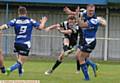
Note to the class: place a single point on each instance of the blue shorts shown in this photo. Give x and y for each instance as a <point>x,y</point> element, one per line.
<point>85,47</point>
<point>21,49</point>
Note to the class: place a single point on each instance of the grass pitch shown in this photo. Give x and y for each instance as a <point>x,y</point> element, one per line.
<point>65,73</point>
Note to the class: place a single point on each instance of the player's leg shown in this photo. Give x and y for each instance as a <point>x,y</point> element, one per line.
<point>56,64</point>
<point>91,46</point>
<point>82,55</point>
<point>23,51</point>
<point>2,67</point>
<point>69,46</point>
<point>93,65</point>
<point>77,64</point>
<point>60,58</point>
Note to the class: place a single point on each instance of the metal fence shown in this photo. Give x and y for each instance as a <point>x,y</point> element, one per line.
<point>50,43</point>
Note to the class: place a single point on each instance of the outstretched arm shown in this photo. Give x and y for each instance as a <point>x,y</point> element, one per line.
<point>54,26</point>
<point>4,26</point>
<point>68,11</point>
<point>42,23</point>
<point>69,31</point>
<point>102,21</point>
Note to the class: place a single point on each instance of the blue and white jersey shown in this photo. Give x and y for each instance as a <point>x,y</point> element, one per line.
<point>93,23</point>
<point>23,27</point>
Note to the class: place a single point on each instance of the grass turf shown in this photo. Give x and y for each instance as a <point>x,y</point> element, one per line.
<point>34,70</point>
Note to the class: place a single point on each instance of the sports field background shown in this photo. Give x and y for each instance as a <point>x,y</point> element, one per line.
<point>50,43</point>
<point>109,72</point>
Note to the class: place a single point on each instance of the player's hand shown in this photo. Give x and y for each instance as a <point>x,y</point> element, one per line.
<point>44,19</point>
<point>67,10</point>
<point>58,28</point>
<point>77,9</point>
<point>102,21</point>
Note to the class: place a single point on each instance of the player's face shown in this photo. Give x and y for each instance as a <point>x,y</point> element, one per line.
<point>71,22</point>
<point>90,10</point>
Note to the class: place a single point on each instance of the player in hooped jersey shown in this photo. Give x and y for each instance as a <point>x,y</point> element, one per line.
<point>89,23</point>
<point>71,31</point>
<point>23,27</point>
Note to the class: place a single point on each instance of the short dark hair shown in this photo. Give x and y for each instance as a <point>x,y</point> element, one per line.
<point>71,17</point>
<point>22,10</point>
<point>90,5</point>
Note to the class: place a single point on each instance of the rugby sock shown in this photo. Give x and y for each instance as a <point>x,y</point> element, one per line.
<point>78,65</point>
<point>57,63</point>
<point>85,71</point>
<point>91,63</point>
<point>20,68</point>
<point>15,66</point>
<point>2,69</point>
<point>65,47</point>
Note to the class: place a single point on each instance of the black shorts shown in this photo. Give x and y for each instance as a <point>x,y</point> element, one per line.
<point>21,49</point>
<point>72,42</point>
<point>85,47</point>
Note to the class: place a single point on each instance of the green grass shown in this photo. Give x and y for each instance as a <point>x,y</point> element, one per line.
<point>34,70</point>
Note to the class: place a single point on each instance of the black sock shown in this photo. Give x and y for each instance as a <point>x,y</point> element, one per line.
<point>78,65</point>
<point>65,48</point>
<point>57,63</point>
<point>2,69</point>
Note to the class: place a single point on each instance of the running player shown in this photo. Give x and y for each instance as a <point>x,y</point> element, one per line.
<point>71,31</point>
<point>89,23</point>
<point>102,22</point>
<point>23,27</point>
<point>2,67</point>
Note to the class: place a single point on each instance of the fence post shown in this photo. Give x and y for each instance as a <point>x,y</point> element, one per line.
<point>106,36</point>
<point>6,38</point>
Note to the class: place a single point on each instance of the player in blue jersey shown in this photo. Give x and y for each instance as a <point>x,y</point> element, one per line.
<point>2,67</point>
<point>91,63</point>
<point>89,23</point>
<point>23,27</point>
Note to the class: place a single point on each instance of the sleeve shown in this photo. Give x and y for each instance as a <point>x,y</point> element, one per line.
<point>62,24</point>
<point>11,23</point>
<point>93,22</point>
<point>74,30</point>
<point>35,23</point>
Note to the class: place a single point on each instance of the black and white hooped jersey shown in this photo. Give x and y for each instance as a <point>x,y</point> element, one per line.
<point>76,30</point>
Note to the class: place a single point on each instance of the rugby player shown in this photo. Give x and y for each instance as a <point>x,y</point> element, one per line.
<point>23,27</point>
<point>2,67</point>
<point>71,31</point>
<point>89,23</point>
<point>102,22</point>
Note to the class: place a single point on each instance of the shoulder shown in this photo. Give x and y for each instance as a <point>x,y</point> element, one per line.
<point>63,23</point>
<point>13,20</point>
<point>32,20</point>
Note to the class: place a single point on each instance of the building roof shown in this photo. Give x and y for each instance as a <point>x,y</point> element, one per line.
<point>98,2</point>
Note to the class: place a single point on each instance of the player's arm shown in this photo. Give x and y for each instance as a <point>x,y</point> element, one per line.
<point>4,26</point>
<point>54,26</point>
<point>42,23</point>
<point>89,23</point>
<point>68,11</point>
<point>102,21</point>
<point>81,23</point>
<point>69,31</point>
<point>11,23</point>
